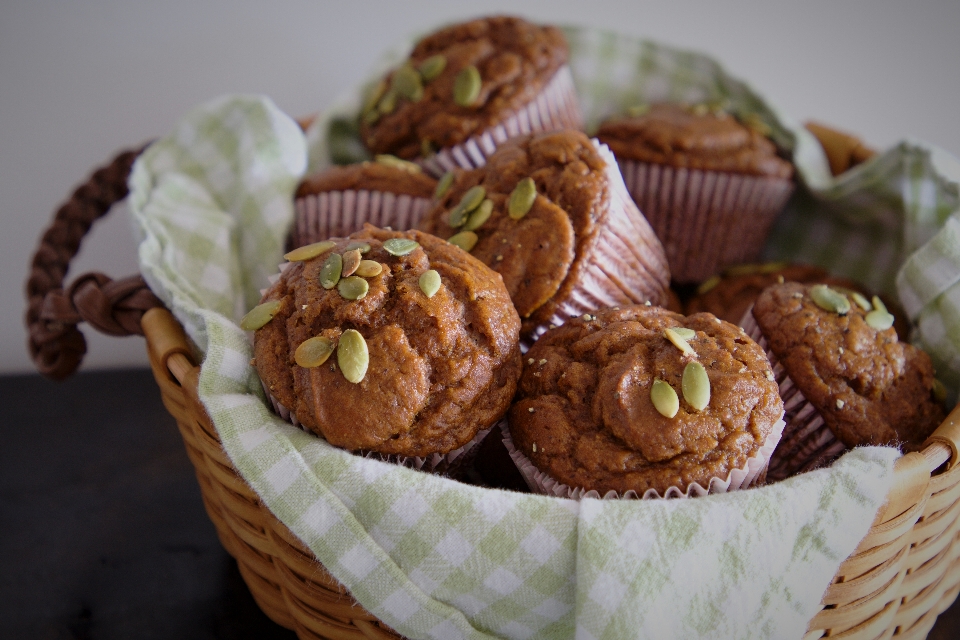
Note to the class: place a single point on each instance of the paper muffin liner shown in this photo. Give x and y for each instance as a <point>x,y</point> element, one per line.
<point>807,442</point>
<point>742,478</point>
<point>627,264</point>
<point>336,214</point>
<point>452,463</point>
<point>706,220</point>
<point>556,107</point>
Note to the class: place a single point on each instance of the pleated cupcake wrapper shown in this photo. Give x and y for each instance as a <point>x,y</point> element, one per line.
<point>450,463</point>
<point>751,473</point>
<point>706,220</point>
<point>807,442</point>
<point>335,214</point>
<point>556,107</point>
<point>624,264</point>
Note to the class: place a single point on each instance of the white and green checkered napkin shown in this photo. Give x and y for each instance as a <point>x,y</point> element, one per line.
<point>434,558</point>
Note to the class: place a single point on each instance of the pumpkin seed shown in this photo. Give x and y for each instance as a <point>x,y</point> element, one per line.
<point>470,201</point>
<point>684,333</point>
<point>363,247</point>
<point>939,391</point>
<point>700,109</point>
<point>638,110</point>
<point>465,240</point>
<point>443,185</point>
<point>522,198</point>
<point>313,352</point>
<point>466,86</point>
<point>371,117</point>
<point>480,215</point>
<point>330,271</point>
<point>400,246</point>
<point>695,385</point>
<point>430,283</point>
<point>664,398</point>
<point>755,123</point>
<point>878,303</point>
<point>351,260</point>
<point>426,148</point>
<point>352,355</point>
<point>677,340</point>
<point>406,82</point>
<point>368,268</point>
<point>373,96</point>
<point>861,301</point>
<point>432,67</point>
<point>260,315</point>
<point>387,103</point>
<point>397,163</point>
<point>309,251</point>
<point>353,288</point>
<point>879,319</point>
<point>829,300</point>
<point>708,284</point>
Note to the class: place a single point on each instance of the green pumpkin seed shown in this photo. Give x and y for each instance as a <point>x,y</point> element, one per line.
<point>313,352</point>
<point>695,385</point>
<point>368,268</point>
<point>879,319</point>
<point>371,117</point>
<point>939,391</point>
<point>395,162</point>
<point>400,246</point>
<point>430,283</point>
<point>829,300</point>
<point>353,288</point>
<point>260,315</point>
<point>878,303</point>
<point>373,96</point>
<point>362,247</point>
<point>861,301</point>
<point>426,148</point>
<point>387,103</point>
<point>522,198</point>
<point>309,251</point>
<point>700,109</point>
<point>671,334</point>
<point>443,185</point>
<point>683,332</point>
<point>406,82</point>
<point>480,215</point>
<point>636,111</point>
<point>470,201</point>
<point>351,260</point>
<point>664,398</point>
<point>708,284</point>
<point>755,123</point>
<point>465,240</point>
<point>466,86</point>
<point>330,271</point>
<point>432,67</point>
<point>352,355</point>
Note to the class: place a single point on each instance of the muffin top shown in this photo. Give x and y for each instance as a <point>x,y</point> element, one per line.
<point>847,361</point>
<point>410,351</point>
<point>585,411</point>
<point>458,82</point>
<point>538,249</point>
<point>387,174</point>
<point>680,136</point>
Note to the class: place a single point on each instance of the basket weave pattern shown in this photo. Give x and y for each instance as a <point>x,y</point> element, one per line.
<point>904,573</point>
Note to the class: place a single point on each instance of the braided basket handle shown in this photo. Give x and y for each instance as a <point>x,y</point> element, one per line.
<point>114,307</point>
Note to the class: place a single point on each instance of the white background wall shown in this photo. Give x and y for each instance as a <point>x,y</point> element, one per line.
<point>79,81</point>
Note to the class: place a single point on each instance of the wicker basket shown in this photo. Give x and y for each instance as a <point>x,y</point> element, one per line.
<point>904,573</point>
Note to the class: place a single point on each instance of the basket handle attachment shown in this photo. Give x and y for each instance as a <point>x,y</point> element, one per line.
<point>114,307</point>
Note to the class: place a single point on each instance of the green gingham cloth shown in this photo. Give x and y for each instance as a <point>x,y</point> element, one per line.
<point>434,558</point>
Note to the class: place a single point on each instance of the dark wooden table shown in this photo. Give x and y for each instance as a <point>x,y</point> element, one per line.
<point>102,531</point>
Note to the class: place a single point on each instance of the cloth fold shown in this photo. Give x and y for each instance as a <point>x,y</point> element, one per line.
<point>434,558</point>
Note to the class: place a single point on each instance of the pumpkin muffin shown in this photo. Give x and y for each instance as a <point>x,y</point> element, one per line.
<point>846,378</point>
<point>335,202</point>
<point>709,184</point>
<point>390,342</point>
<point>550,214</point>
<point>642,401</point>
<point>468,87</point>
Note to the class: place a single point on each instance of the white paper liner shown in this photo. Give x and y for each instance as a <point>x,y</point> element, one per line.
<point>336,214</point>
<point>807,443</point>
<point>448,463</point>
<point>706,220</point>
<point>626,265</point>
<point>742,478</point>
<point>556,107</point>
